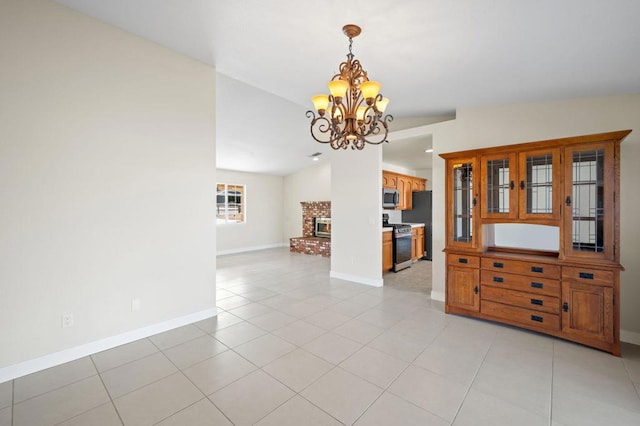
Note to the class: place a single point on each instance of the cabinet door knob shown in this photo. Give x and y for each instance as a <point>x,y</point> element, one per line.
<point>512,185</point>
<point>567,201</point>
<point>521,184</point>
<point>565,307</point>
<point>475,201</point>
<point>475,289</point>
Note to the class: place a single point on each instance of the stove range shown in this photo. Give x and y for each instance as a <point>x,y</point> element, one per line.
<point>402,244</point>
<point>400,229</point>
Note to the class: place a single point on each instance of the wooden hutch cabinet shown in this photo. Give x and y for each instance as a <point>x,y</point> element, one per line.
<point>569,184</point>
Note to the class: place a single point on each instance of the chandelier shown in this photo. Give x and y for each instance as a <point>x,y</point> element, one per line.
<point>351,115</point>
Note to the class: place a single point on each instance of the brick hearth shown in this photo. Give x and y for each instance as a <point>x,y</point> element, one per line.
<point>308,244</point>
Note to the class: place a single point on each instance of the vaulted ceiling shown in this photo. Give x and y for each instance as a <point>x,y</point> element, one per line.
<point>432,57</point>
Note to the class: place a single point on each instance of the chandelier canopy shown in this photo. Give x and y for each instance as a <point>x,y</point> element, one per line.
<point>351,115</point>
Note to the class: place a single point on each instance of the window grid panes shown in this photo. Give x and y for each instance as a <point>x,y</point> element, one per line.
<point>498,186</point>
<point>539,184</point>
<point>230,203</point>
<point>588,201</point>
<point>462,202</point>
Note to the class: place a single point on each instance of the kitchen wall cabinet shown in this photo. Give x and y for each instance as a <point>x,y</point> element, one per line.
<point>389,180</point>
<point>404,187</point>
<point>570,183</point>
<point>387,251</point>
<point>405,184</point>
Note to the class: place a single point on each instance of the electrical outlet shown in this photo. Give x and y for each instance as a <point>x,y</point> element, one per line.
<point>136,304</point>
<point>67,320</point>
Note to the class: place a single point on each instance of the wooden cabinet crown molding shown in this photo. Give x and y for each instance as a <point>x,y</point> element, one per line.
<point>527,146</point>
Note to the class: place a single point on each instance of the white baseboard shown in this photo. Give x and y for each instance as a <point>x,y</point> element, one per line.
<point>254,248</point>
<point>356,279</point>
<point>437,295</point>
<point>51,360</point>
<point>630,337</point>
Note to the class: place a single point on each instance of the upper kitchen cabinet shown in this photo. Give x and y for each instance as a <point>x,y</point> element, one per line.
<point>406,185</point>
<point>389,180</point>
<point>462,197</point>
<point>521,186</point>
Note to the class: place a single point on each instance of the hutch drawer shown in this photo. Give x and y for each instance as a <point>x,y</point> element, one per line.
<point>534,285</point>
<point>522,267</point>
<point>522,316</point>
<point>588,276</point>
<point>463,260</point>
<point>532,301</point>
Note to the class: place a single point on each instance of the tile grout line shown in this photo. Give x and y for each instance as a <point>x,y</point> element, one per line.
<point>52,390</point>
<point>475,376</point>
<point>204,396</point>
<point>13,400</point>
<point>409,364</point>
<point>553,358</point>
<point>125,363</point>
<point>107,391</point>
<point>626,367</point>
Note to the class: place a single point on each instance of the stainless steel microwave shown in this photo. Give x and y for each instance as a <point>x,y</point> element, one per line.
<point>390,198</point>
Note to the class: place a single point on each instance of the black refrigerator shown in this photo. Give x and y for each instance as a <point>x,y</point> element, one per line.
<point>421,213</point>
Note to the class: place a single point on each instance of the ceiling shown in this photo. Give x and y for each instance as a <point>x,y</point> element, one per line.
<point>432,57</point>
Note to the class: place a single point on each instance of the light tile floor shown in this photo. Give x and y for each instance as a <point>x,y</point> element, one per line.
<point>291,346</point>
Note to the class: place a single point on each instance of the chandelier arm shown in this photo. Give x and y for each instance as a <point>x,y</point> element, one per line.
<point>320,126</point>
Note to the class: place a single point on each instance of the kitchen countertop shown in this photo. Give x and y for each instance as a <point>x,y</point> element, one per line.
<point>413,225</point>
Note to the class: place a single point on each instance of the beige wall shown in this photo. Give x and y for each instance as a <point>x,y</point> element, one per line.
<point>508,124</point>
<point>356,223</point>
<point>310,184</point>
<point>107,170</point>
<point>264,211</point>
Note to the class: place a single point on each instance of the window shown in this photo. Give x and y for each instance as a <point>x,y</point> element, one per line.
<point>230,203</point>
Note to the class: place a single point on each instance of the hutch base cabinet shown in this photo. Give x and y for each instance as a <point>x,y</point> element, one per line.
<point>569,288</point>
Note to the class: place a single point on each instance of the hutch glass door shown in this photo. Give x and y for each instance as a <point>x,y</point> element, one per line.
<point>587,194</point>
<point>464,203</point>
<point>538,176</point>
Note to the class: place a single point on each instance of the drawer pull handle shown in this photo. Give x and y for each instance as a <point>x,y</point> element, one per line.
<point>537,302</point>
<point>498,265</point>
<point>498,279</point>
<point>586,275</point>
<point>463,260</point>
<point>536,285</point>
<point>537,269</point>
<point>536,318</point>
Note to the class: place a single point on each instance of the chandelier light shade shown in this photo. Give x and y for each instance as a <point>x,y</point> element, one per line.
<point>351,114</point>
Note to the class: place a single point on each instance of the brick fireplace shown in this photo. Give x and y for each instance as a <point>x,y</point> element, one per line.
<point>308,244</point>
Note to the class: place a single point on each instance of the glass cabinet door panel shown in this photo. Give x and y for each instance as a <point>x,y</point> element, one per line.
<point>588,192</point>
<point>463,202</point>
<point>538,174</point>
<point>539,183</point>
<point>588,209</point>
<point>499,200</point>
<point>498,186</point>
